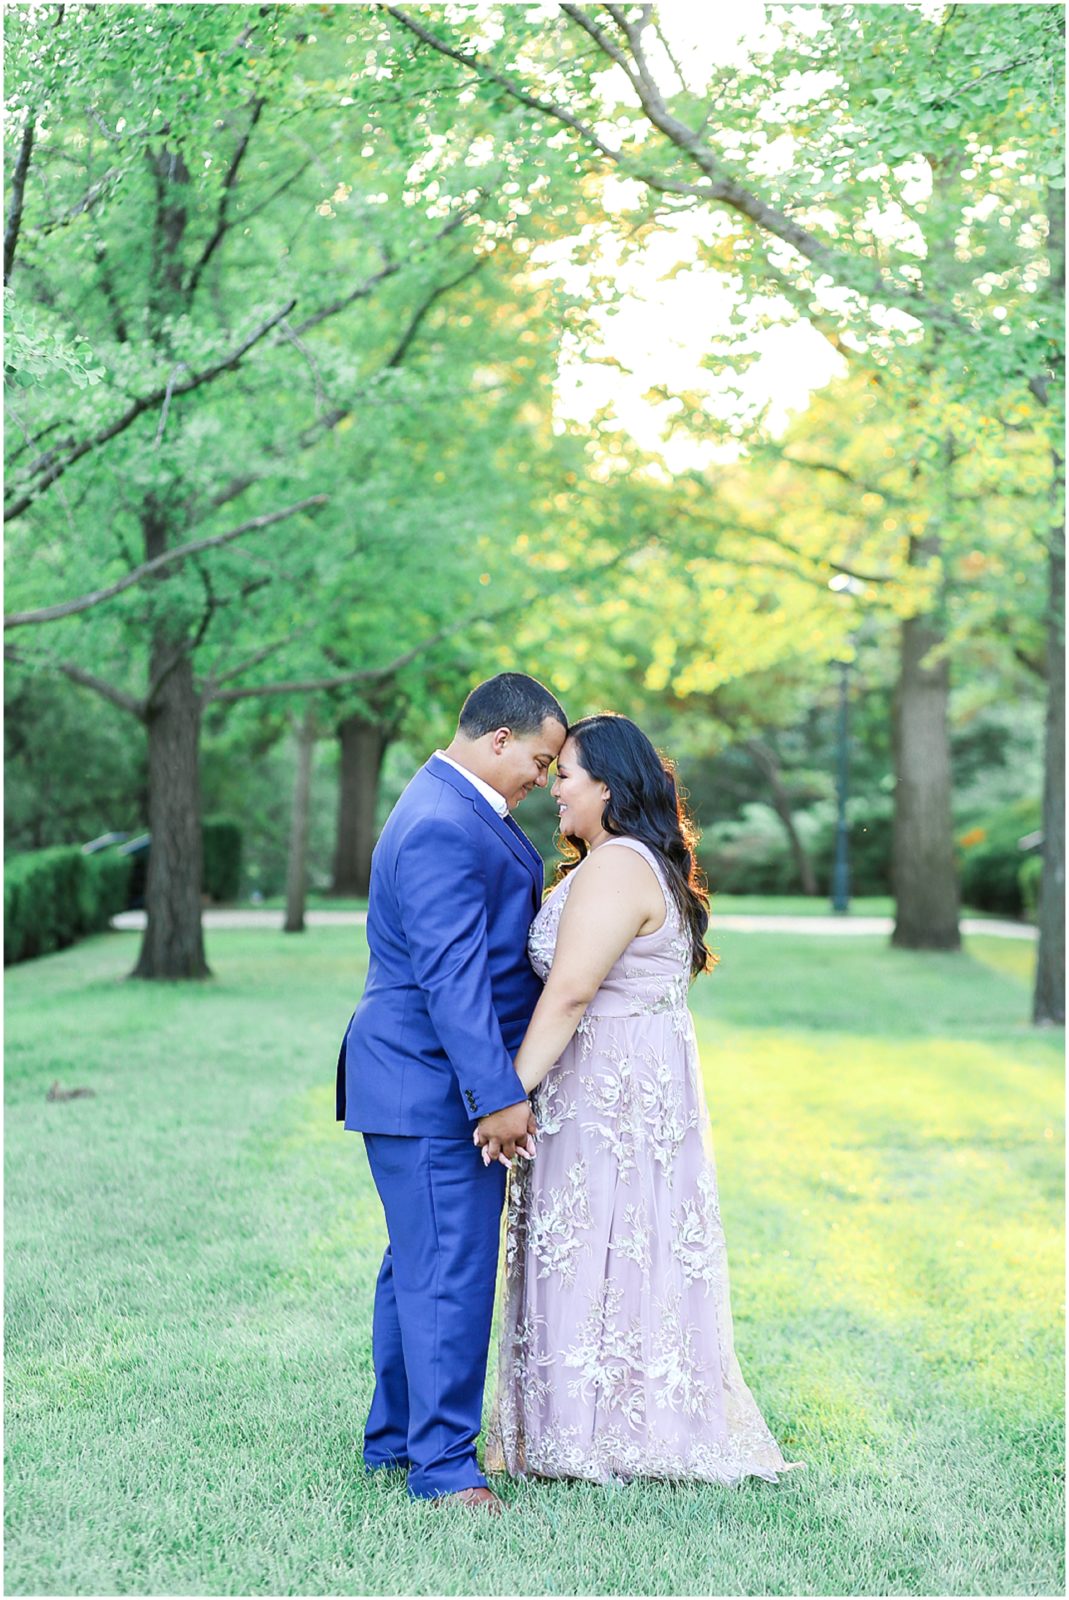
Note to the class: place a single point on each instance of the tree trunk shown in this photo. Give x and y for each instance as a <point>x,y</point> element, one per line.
<point>297,869</point>
<point>766,761</point>
<point>363,745</point>
<point>173,943</point>
<point>923,869</point>
<point>1048,1002</point>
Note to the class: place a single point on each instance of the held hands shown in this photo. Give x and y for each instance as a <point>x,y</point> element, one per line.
<point>507,1133</point>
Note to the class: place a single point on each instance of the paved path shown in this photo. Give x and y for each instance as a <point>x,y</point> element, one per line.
<point>728,923</point>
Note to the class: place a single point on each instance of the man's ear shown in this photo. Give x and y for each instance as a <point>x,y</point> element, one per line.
<point>501,739</point>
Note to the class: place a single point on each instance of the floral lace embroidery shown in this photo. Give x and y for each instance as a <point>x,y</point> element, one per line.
<point>698,1236</point>
<point>552,1224</point>
<point>677,1364</point>
<point>635,1245</point>
<point>552,1105</point>
<point>609,1358</point>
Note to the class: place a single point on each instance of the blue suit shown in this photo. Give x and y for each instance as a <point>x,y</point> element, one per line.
<point>428,1051</point>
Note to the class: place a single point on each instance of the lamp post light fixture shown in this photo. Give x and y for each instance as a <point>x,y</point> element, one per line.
<point>840,876</point>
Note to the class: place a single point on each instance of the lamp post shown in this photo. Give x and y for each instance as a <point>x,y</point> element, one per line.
<point>840,876</point>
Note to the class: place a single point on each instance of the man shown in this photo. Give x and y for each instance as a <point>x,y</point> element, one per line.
<point>428,1055</point>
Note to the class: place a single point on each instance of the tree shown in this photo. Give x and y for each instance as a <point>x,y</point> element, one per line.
<point>831,170</point>
<point>195,319</point>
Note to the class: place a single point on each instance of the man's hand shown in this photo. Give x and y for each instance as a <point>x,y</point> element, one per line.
<point>506,1133</point>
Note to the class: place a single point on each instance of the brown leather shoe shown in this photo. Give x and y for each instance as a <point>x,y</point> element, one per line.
<point>479,1499</point>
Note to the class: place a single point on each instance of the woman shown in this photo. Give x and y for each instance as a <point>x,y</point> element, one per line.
<point>616,1358</point>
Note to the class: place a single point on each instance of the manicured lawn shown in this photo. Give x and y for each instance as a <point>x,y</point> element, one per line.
<point>798,905</point>
<point>191,1251</point>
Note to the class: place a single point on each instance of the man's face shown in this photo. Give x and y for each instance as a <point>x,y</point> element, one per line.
<point>522,761</point>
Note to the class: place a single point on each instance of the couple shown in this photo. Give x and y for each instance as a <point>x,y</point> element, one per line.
<point>616,1357</point>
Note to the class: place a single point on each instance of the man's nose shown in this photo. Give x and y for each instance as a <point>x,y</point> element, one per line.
<point>542,779</point>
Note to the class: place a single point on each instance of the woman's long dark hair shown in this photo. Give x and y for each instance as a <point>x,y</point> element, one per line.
<point>645,804</point>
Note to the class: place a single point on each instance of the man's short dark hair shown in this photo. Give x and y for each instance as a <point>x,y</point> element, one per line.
<point>511,700</point>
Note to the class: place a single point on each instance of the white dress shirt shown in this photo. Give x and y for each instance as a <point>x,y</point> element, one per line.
<point>490,795</point>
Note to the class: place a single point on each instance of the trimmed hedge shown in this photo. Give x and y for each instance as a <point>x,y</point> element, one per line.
<point>221,874</point>
<point>53,897</point>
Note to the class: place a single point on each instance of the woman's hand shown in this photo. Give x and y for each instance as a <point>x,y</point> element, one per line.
<point>494,1149</point>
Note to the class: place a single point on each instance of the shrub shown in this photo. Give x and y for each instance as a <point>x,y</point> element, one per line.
<point>749,854</point>
<point>52,897</point>
<point>869,825</point>
<point>991,857</point>
<point>1029,877</point>
<point>221,878</point>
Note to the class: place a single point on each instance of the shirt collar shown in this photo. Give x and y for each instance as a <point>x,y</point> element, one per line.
<point>490,795</point>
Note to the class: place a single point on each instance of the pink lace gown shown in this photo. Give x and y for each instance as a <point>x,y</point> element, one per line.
<point>616,1357</point>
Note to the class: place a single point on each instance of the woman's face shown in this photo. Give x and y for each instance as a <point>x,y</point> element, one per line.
<point>580,798</point>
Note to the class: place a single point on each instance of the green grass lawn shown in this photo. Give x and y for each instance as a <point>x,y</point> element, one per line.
<point>191,1252</point>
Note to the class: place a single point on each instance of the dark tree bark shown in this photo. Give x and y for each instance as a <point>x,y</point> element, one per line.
<point>18,191</point>
<point>173,943</point>
<point>171,177</point>
<point>1048,1002</point>
<point>923,869</point>
<point>362,747</point>
<point>766,762</point>
<point>297,867</point>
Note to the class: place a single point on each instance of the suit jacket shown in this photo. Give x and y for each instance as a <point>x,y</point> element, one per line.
<point>449,990</point>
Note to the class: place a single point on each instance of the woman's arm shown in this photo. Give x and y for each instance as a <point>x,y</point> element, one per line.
<point>614,896</point>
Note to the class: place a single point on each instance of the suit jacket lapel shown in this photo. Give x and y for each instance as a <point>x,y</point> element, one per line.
<point>514,837</point>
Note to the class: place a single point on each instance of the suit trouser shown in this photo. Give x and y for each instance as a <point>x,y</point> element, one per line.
<point>434,1302</point>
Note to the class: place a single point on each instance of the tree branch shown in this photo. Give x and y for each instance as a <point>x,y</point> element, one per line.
<point>605,44</point>
<point>18,193</point>
<point>484,70</point>
<point>261,205</point>
<point>847,477</point>
<point>227,364</point>
<point>95,192</point>
<point>361,292</point>
<point>379,674</point>
<point>214,679</point>
<point>329,421</point>
<point>973,83</point>
<point>716,187</point>
<point>416,320</point>
<point>78,675</point>
<point>96,597</point>
<point>389,269</point>
<point>738,530</point>
<point>364,674</point>
<point>221,222</point>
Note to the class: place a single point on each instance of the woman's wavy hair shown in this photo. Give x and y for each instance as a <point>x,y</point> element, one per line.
<point>644,803</point>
